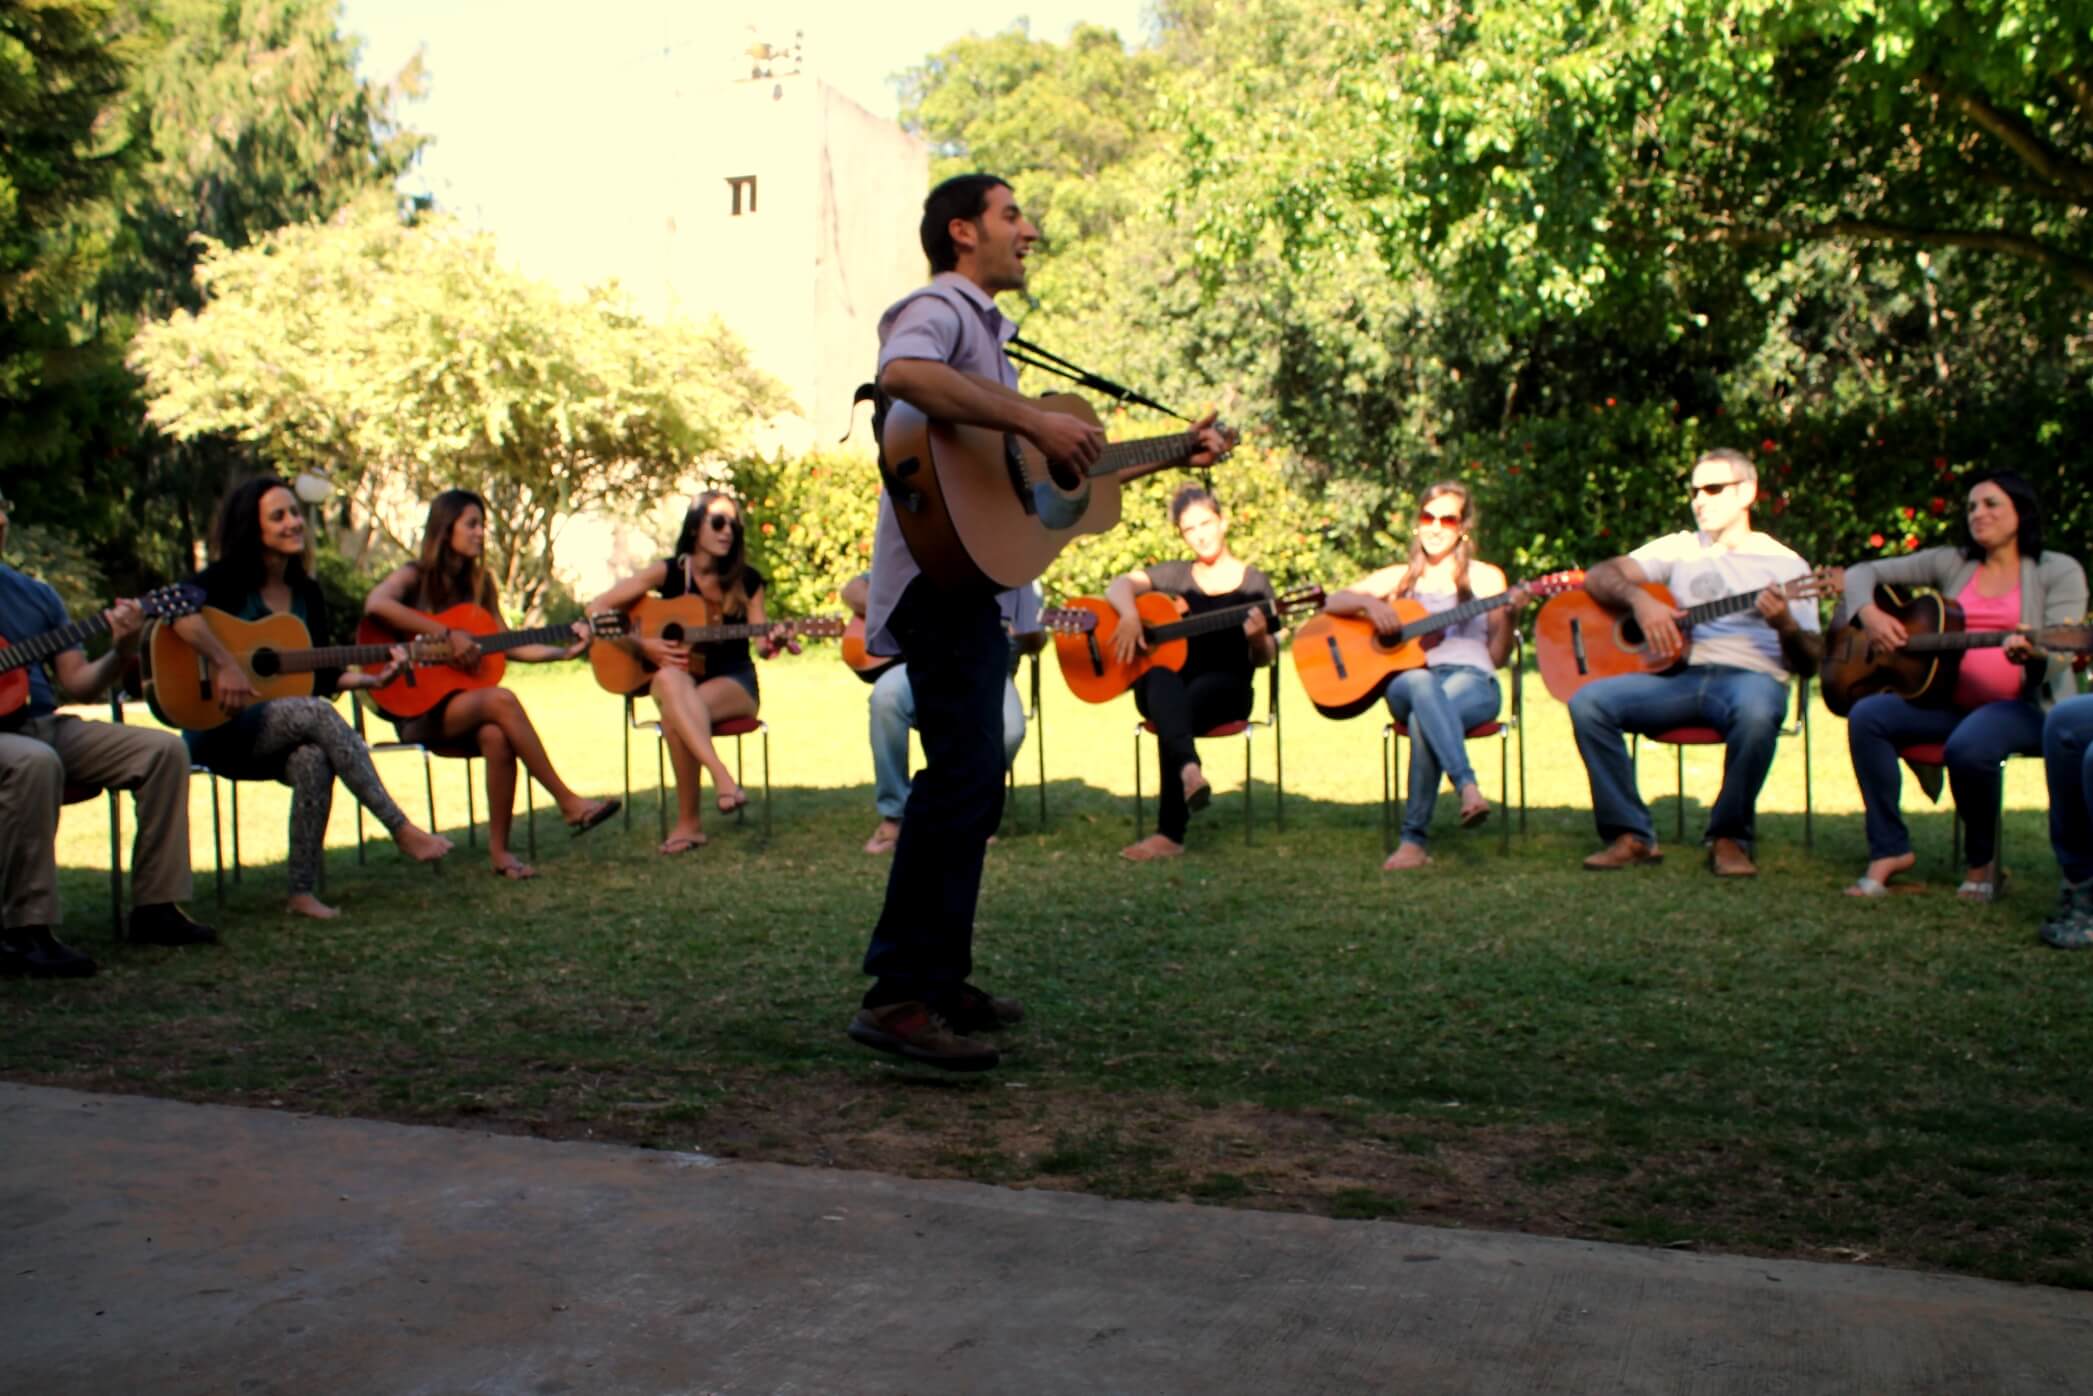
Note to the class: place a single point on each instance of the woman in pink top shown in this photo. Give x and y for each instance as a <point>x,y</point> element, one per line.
<point>2002,578</point>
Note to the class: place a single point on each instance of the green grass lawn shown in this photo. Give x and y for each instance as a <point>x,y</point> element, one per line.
<point>1504,1041</point>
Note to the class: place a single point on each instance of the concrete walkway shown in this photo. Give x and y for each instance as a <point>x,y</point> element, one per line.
<point>147,1246</point>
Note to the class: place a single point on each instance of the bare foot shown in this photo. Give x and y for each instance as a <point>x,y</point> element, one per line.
<point>508,865</point>
<point>682,840</point>
<point>306,904</point>
<point>1881,870</point>
<point>1405,857</point>
<point>1151,848</point>
<point>1199,793</point>
<point>1474,808</point>
<point>884,837</point>
<point>421,845</point>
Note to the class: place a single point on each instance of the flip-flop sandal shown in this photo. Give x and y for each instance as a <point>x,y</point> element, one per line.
<point>729,803</point>
<point>1867,887</point>
<point>516,872</point>
<point>681,843</point>
<point>1471,818</point>
<point>1981,891</point>
<point>578,827</point>
<point>1199,797</point>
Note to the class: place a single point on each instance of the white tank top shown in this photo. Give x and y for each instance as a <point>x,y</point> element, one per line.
<point>1467,643</point>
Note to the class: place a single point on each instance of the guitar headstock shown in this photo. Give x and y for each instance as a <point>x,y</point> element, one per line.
<point>1824,581</point>
<point>1301,598</point>
<point>165,603</point>
<point>1554,583</point>
<point>820,627</point>
<point>610,625</point>
<point>1067,620</point>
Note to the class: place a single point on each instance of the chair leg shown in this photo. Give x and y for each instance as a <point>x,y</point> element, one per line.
<point>1039,747</point>
<point>740,810</point>
<point>661,785</point>
<point>472,814</point>
<point>429,789</point>
<point>1504,791</point>
<point>217,841</point>
<point>1679,770</point>
<point>1387,792</point>
<point>1249,790</point>
<point>1522,776</point>
<point>530,817</point>
<point>766,786</point>
<point>359,831</point>
<point>235,792</point>
<point>116,865</point>
<point>628,764</point>
<point>1278,782</point>
<point>1809,796</point>
<point>1137,785</point>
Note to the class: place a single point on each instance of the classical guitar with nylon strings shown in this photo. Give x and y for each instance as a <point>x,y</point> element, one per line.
<point>18,656</point>
<point>869,666</point>
<point>276,653</point>
<point>1345,663</point>
<point>621,667</point>
<point>981,507</point>
<point>1925,667</point>
<point>421,688</point>
<point>1095,676</point>
<point>1578,639</point>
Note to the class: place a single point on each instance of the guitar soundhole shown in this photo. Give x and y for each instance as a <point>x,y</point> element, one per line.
<point>265,664</point>
<point>672,633</point>
<point>1065,477</point>
<point>1631,633</point>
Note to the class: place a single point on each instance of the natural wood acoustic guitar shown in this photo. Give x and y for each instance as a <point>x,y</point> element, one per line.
<point>869,666</point>
<point>276,653</point>
<point>1095,676</point>
<point>621,667</point>
<point>982,507</point>
<point>420,688</point>
<point>1924,668</point>
<point>1578,640</point>
<point>1345,664</point>
<point>17,656</point>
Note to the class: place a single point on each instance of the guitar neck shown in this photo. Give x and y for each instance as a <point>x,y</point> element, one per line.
<point>1455,615</point>
<point>1959,640</point>
<point>506,640</point>
<point>1717,609</point>
<point>1201,624</point>
<point>38,648</point>
<point>1146,454</point>
<point>340,657</point>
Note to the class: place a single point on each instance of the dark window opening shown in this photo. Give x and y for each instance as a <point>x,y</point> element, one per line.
<point>744,190</point>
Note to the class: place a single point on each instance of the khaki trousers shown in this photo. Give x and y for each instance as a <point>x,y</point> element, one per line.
<point>38,757</point>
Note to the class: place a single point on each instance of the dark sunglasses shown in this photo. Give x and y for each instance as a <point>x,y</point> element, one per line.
<point>1709,490</point>
<point>722,520</point>
<point>1426,518</point>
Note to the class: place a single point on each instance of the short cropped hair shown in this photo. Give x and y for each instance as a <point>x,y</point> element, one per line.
<point>1747,473</point>
<point>962,196</point>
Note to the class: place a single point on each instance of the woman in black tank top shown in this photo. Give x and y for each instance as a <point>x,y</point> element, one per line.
<point>711,562</point>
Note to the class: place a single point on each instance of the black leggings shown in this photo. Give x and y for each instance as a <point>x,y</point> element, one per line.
<point>1178,705</point>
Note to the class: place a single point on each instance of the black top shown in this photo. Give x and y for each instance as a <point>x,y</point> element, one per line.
<point>723,656</point>
<point>226,590</point>
<point>1222,651</point>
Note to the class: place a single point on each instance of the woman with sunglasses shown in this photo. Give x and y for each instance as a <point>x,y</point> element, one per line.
<point>1457,687</point>
<point>490,722</point>
<point>1213,687</point>
<point>710,561</point>
<point>264,568</point>
<point>2003,578</point>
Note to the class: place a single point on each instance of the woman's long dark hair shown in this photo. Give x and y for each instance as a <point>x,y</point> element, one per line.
<point>1463,551</point>
<point>444,577</point>
<point>238,532</point>
<point>732,569</point>
<point>2024,504</point>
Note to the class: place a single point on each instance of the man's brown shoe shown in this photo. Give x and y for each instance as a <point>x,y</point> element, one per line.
<point>911,1030</point>
<point>1624,852</point>
<point>1727,858</point>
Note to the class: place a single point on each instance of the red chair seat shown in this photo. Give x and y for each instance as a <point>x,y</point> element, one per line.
<point>737,726</point>
<point>1486,729</point>
<point>1925,754</point>
<point>1690,736</point>
<point>1226,729</point>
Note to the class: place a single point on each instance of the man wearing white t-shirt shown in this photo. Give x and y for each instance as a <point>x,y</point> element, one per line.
<point>1735,679</point>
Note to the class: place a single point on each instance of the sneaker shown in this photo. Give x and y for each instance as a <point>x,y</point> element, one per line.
<point>164,923</point>
<point>34,951</point>
<point>911,1030</point>
<point>2070,926</point>
<point>977,1011</point>
<point>1624,852</point>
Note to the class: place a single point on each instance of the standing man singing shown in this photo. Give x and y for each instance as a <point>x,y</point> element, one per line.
<point>941,351</point>
<point>1736,678</point>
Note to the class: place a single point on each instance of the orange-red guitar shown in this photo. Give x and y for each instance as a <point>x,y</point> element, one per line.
<point>1577,640</point>
<point>1345,664</point>
<point>1094,676</point>
<point>420,689</point>
<point>620,667</point>
<point>869,666</point>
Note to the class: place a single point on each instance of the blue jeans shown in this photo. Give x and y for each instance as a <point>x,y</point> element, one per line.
<point>1744,705</point>
<point>1976,741</point>
<point>894,713</point>
<point>2067,752</point>
<point>1439,706</point>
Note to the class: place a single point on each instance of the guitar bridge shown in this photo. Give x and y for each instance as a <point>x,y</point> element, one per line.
<point>1584,664</point>
<point>1097,660</point>
<point>1336,657</point>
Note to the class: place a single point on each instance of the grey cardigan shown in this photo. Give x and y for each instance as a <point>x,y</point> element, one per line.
<point>2052,592</point>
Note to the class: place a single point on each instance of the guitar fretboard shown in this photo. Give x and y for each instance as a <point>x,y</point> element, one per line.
<point>1960,640</point>
<point>1204,623</point>
<point>1454,615</point>
<point>1154,450</point>
<point>38,648</point>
